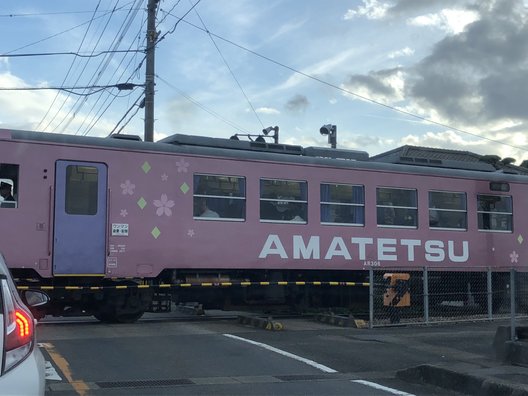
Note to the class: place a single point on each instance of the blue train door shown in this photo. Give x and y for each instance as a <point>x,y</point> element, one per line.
<point>79,240</point>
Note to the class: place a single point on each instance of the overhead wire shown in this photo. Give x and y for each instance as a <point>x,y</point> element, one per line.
<point>32,14</point>
<point>229,68</point>
<point>96,88</point>
<point>137,68</point>
<point>79,103</point>
<point>68,72</point>
<point>202,106</point>
<point>344,90</point>
<point>67,30</point>
<point>80,75</point>
<point>97,74</point>
<point>169,32</point>
<point>77,54</point>
<point>102,109</point>
<point>100,112</point>
<point>128,111</point>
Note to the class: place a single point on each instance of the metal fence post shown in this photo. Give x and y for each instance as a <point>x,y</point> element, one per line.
<point>426,295</point>
<point>490,295</point>
<point>371,298</point>
<point>513,335</point>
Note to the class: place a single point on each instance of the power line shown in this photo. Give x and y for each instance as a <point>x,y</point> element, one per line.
<point>82,99</point>
<point>177,22</point>
<point>229,68</point>
<point>77,54</point>
<point>47,13</point>
<point>125,26</point>
<point>97,88</point>
<point>344,90</point>
<point>67,74</point>
<point>203,107</point>
<point>128,111</point>
<point>69,30</point>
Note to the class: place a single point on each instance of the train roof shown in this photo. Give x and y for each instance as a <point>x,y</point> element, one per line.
<point>397,160</point>
<point>445,158</point>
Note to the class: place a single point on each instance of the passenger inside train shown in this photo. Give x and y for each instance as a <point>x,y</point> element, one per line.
<point>8,201</point>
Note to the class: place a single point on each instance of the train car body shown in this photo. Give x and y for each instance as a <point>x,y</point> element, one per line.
<point>89,211</point>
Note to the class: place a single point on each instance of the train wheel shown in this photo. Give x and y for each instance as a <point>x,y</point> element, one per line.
<point>115,315</point>
<point>124,305</point>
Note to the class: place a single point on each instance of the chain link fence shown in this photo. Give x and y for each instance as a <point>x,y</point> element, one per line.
<point>437,295</point>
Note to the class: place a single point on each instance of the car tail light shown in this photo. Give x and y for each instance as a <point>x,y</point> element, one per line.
<point>19,332</point>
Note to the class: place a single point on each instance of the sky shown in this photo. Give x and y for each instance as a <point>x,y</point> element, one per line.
<point>451,74</point>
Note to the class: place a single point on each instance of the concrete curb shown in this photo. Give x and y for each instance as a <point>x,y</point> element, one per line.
<point>263,323</point>
<point>340,320</point>
<point>511,352</point>
<point>191,308</point>
<point>467,383</point>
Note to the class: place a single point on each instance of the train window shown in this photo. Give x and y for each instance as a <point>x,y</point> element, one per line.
<point>342,204</point>
<point>283,201</point>
<point>81,190</point>
<point>495,213</point>
<point>8,185</point>
<point>447,210</point>
<point>219,197</point>
<point>396,207</point>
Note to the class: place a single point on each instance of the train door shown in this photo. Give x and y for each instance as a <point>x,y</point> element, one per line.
<point>79,240</point>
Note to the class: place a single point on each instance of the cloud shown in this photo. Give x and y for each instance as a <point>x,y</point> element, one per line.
<point>382,85</point>
<point>267,110</point>
<point>371,9</point>
<point>328,65</point>
<point>25,109</point>
<point>287,28</point>
<point>480,75</point>
<point>475,80</point>
<point>297,104</point>
<point>403,52</point>
<point>452,21</point>
<point>405,8</point>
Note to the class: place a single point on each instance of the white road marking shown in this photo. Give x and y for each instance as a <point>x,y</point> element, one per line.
<point>51,373</point>
<point>284,353</point>
<point>383,388</point>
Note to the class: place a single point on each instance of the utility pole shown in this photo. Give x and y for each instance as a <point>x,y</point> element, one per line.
<point>149,72</point>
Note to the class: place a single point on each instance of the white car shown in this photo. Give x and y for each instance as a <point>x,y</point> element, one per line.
<point>22,366</point>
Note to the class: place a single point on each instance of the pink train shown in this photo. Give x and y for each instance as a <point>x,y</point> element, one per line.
<point>103,224</point>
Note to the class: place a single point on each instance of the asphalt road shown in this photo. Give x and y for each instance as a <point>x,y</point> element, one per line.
<point>225,357</point>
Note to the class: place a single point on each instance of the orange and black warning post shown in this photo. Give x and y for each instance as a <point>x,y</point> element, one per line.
<point>397,294</point>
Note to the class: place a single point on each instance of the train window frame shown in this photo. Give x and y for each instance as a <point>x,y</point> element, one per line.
<point>218,204</point>
<point>77,202</point>
<point>10,174</point>
<point>492,213</point>
<point>390,209</point>
<point>328,203</point>
<point>284,205</point>
<point>438,213</point>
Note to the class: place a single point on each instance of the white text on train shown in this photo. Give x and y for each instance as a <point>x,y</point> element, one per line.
<point>386,248</point>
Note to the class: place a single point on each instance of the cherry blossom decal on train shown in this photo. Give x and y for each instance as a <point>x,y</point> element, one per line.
<point>128,187</point>
<point>157,194</point>
<point>182,166</point>
<point>164,205</point>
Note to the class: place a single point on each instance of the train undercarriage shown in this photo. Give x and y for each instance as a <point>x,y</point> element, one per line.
<point>126,300</point>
